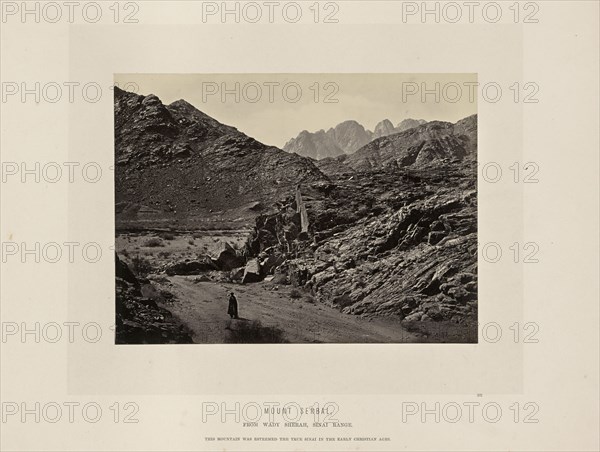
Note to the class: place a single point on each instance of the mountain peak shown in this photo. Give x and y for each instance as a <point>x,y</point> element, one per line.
<point>345,138</point>
<point>409,123</point>
<point>188,162</point>
<point>428,144</point>
<point>182,103</point>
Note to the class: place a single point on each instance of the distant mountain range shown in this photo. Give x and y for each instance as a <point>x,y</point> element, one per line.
<point>429,144</point>
<point>345,138</point>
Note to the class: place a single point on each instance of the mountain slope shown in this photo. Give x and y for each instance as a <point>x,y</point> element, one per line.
<point>389,242</point>
<point>408,124</point>
<point>174,162</point>
<point>431,143</point>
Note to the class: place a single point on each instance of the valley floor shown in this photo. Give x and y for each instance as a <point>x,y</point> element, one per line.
<point>202,307</point>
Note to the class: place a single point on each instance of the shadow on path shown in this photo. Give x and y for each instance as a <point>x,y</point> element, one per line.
<point>253,332</point>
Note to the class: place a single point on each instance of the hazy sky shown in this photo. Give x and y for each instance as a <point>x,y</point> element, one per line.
<point>276,107</point>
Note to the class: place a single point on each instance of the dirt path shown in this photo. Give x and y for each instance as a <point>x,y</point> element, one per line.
<point>203,308</point>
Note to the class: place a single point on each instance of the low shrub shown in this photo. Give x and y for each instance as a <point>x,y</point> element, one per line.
<point>153,242</point>
<point>141,266</point>
<point>310,299</point>
<point>255,333</point>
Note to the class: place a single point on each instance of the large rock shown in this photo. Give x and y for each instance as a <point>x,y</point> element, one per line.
<point>252,272</point>
<point>122,271</point>
<point>270,262</point>
<point>237,274</point>
<point>201,265</point>
<point>139,319</point>
<point>225,257</point>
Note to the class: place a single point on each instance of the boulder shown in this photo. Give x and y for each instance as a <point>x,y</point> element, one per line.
<point>414,317</point>
<point>252,272</point>
<point>201,265</point>
<point>279,278</point>
<point>225,257</point>
<point>270,262</point>
<point>237,274</point>
<point>435,237</point>
<point>122,271</point>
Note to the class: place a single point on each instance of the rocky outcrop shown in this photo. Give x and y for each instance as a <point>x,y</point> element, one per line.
<point>225,257</point>
<point>252,272</point>
<point>301,210</point>
<point>391,241</point>
<point>139,320</point>
<point>387,265</point>
<point>123,272</point>
<point>335,167</point>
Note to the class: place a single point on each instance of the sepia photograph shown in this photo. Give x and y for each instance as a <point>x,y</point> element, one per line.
<point>299,226</point>
<point>295,208</point>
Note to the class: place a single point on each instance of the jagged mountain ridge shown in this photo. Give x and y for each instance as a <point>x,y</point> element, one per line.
<point>408,124</point>
<point>345,138</point>
<point>431,143</point>
<point>173,161</point>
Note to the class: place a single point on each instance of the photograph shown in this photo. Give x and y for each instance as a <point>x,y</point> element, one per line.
<point>299,226</point>
<point>351,233</point>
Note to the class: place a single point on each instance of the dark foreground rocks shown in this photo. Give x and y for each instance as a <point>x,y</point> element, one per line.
<point>139,320</point>
<point>195,267</point>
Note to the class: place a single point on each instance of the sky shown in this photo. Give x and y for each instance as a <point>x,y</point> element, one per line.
<point>274,108</point>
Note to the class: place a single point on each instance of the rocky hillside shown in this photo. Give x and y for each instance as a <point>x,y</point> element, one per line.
<point>139,319</point>
<point>345,138</point>
<point>433,143</point>
<point>174,162</point>
<point>385,242</point>
<point>394,233</point>
<point>390,229</point>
